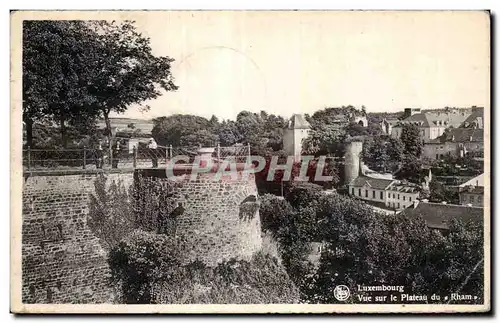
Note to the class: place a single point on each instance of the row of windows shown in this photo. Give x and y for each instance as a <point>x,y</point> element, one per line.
<point>472,199</point>
<point>374,194</point>
<point>366,193</point>
<point>394,204</point>
<point>398,197</point>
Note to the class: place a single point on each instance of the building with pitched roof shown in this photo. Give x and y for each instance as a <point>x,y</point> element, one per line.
<point>456,142</point>
<point>432,124</point>
<point>475,120</point>
<point>440,216</point>
<point>391,193</point>
<point>294,134</point>
<point>472,192</point>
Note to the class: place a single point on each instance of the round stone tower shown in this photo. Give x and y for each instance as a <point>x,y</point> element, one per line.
<point>216,216</point>
<point>352,162</point>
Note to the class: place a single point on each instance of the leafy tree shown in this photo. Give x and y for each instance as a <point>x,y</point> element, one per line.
<point>184,130</point>
<point>362,248</point>
<point>125,70</point>
<point>411,170</point>
<point>228,133</point>
<point>355,129</point>
<point>303,194</point>
<point>410,136</point>
<point>395,149</point>
<point>273,212</point>
<point>55,90</point>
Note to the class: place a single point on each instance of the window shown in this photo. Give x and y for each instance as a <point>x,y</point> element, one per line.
<point>404,198</point>
<point>366,193</point>
<point>373,194</point>
<point>352,191</point>
<point>398,198</point>
<point>398,205</point>
<point>389,195</point>
<point>480,199</point>
<point>359,192</point>
<point>472,198</point>
<point>410,198</point>
<point>437,156</point>
<point>381,195</point>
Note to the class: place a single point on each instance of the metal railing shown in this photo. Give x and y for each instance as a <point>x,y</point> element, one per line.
<point>93,158</point>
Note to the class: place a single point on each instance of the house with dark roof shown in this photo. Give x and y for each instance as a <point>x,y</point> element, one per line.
<point>390,193</point>
<point>440,216</point>
<point>475,120</point>
<point>456,142</point>
<point>472,192</point>
<point>433,124</point>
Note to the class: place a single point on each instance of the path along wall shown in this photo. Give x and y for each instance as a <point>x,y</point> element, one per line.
<point>62,261</point>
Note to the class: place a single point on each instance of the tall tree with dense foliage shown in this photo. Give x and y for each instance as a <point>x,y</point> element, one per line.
<point>89,70</point>
<point>185,130</point>
<point>126,70</point>
<point>55,74</point>
<point>410,136</point>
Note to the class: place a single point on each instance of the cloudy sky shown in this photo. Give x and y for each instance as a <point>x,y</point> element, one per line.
<point>299,62</point>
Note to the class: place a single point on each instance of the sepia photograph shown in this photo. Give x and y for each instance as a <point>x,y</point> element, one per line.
<point>250,161</point>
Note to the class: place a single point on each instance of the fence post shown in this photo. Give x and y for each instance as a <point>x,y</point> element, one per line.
<point>84,157</point>
<point>248,145</point>
<point>29,157</point>
<point>170,151</point>
<point>110,156</point>
<point>218,152</point>
<point>134,157</point>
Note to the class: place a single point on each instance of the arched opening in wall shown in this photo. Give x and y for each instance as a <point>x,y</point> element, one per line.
<point>249,208</point>
<point>361,123</point>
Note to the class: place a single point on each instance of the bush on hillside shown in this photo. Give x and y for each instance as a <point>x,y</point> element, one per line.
<point>150,270</point>
<point>110,213</point>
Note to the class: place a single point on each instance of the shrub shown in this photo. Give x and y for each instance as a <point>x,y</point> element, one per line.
<point>138,260</point>
<point>154,205</point>
<point>110,213</point>
<point>303,194</point>
<point>273,212</point>
<point>150,269</point>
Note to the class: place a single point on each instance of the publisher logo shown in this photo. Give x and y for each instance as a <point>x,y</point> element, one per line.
<point>341,292</point>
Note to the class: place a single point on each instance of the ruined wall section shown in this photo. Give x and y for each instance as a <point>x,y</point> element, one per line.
<point>62,261</point>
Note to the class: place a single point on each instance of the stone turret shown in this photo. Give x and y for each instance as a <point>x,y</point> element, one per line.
<point>352,164</point>
<point>295,132</point>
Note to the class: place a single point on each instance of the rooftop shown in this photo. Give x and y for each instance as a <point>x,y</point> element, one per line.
<point>460,135</point>
<point>476,113</point>
<point>376,183</point>
<point>437,118</point>
<point>440,216</point>
<point>476,181</point>
<point>297,121</point>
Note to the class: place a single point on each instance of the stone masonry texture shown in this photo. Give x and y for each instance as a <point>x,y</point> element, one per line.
<point>220,219</point>
<point>62,261</point>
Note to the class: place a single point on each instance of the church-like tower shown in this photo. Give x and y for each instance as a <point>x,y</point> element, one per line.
<point>295,132</point>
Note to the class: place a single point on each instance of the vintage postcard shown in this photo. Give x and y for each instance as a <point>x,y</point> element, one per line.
<point>250,161</point>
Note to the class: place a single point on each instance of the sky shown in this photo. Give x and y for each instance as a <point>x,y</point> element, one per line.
<point>287,62</point>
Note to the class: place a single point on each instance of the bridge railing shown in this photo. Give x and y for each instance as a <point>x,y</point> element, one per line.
<point>93,158</point>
